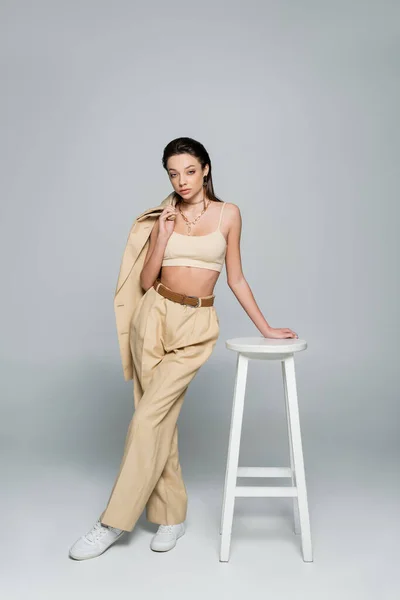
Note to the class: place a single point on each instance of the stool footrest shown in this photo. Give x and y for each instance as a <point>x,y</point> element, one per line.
<point>267,491</point>
<point>264,472</point>
<point>294,488</point>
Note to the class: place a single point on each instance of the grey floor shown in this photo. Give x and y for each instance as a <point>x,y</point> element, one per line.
<point>353,489</point>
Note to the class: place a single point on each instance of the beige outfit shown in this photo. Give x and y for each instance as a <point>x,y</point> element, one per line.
<point>202,251</point>
<point>129,291</point>
<point>169,342</point>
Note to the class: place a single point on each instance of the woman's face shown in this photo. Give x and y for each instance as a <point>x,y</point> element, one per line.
<point>185,173</point>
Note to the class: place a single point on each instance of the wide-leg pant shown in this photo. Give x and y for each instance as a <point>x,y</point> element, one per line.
<point>169,343</point>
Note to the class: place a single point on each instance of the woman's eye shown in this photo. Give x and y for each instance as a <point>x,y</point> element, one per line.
<point>173,174</point>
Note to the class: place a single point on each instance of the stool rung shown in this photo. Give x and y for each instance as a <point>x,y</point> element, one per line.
<point>266,491</point>
<point>264,472</point>
<point>295,489</point>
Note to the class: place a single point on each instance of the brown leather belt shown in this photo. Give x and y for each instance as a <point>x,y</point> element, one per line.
<point>194,301</point>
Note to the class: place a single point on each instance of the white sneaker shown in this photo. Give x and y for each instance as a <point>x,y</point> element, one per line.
<point>166,537</point>
<point>95,542</point>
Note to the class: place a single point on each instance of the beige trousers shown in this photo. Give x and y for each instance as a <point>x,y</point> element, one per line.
<point>169,343</point>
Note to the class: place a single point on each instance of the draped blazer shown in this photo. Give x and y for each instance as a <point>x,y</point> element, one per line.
<point>129,291</point>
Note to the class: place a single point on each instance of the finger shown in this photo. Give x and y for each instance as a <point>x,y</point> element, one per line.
<point>167,213</point>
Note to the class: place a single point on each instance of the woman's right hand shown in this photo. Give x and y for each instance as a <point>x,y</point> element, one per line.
<point>166,221</point>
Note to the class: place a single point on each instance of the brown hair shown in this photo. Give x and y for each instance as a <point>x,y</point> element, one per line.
<point>187,145</point>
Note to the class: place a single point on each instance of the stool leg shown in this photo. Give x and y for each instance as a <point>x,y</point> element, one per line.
<point>293,408</point>
<point>296,518</point>
<point>233,457</point>
<point>230,436</point>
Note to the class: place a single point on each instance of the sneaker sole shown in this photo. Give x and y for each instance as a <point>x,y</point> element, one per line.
<point>100,553</point>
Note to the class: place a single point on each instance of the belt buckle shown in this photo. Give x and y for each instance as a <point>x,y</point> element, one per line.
<point>198,301</point>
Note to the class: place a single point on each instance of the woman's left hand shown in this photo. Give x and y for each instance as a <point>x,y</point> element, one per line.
<point>280,333</point>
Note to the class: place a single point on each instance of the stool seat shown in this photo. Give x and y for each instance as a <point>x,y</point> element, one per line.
<point>262,345</point>
<point>283,350</point>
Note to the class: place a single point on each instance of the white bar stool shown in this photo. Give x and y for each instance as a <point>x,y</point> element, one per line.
<point>266,349</point>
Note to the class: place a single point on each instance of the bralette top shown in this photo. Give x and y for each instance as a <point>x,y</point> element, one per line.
<point>204,251</point>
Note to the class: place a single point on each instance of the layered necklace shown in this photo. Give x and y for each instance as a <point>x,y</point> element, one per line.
<point>190,223</point>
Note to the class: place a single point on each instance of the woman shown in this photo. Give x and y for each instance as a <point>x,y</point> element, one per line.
<point>173,331</point>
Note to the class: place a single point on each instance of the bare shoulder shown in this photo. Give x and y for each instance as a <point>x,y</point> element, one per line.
<point>231,207</point>
<point>232,213</point>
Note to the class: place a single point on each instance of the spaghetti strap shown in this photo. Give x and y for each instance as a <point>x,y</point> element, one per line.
<point>220,215</point>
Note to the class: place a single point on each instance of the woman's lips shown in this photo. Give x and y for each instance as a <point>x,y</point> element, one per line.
<point>184,191</point>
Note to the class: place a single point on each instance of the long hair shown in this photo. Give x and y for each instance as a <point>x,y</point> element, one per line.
<point>187,145</point>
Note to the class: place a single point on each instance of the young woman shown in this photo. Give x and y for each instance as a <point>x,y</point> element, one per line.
<point>173,330</point>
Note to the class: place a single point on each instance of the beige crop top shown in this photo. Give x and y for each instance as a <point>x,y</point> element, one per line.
<point>204,251</point>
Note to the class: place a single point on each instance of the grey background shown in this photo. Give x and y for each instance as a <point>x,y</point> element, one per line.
<point>297,104</point>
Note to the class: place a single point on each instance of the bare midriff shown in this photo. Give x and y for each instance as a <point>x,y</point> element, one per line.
<point>192,281</point>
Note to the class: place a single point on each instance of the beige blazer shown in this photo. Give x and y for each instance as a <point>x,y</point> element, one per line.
<point>129,291</point>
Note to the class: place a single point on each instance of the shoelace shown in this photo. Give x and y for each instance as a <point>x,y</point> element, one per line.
<point>165,529</point>
<point>96,533</point>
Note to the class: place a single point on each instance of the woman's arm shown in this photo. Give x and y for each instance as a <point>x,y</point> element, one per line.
<point>238,283</point>
<point>159,237</point>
